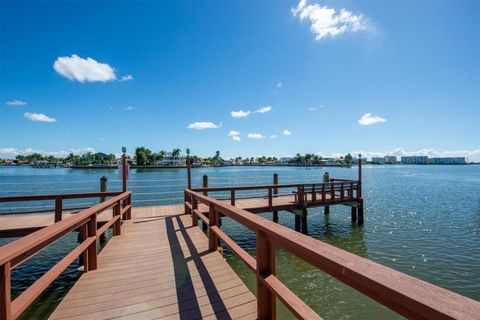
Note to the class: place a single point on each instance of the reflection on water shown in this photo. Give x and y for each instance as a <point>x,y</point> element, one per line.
<point>421,220</point>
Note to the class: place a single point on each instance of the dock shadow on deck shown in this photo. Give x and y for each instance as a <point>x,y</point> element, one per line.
<point>160,267</point>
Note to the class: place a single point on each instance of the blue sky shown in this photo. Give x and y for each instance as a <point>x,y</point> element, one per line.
<point>409,69</point>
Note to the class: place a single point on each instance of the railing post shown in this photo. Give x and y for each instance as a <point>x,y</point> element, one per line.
<point>124,171</point>
<point>342,191</point>
<point>350,193</point>
<point>205,184</point>
<point>232,197</point>
<point>212,221</point>
<point>58,208</point>
<point>5,292</point>
<point>314,193</point>
<point>187,198</point>
<point>194,215</point>
<point>275,192</point>
<point>117,225</point>
<point>92,248</point>
<point>129,211</point>
<point>84,256</point>
<point>270,197</point>
<point>265,267</point>
<point>332,191</point>
<point>103,187</point>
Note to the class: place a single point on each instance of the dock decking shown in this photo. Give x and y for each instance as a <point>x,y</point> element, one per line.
<point>160,267</point>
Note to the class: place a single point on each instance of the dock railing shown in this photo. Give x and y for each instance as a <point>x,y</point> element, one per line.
<point>15,253</point>
<point>325,192</point>
<point>406,295</point>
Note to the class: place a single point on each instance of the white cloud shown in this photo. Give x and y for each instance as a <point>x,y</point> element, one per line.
<point>327,22</point>
<point>273,136</point>
<point>127,77</point>
<point>312,109</point>
<point>203,125</point>
<point>235,135</point>
<point>16,103</point>
<point>255,136</point>
<point>38,117</point>
<point>279,85</point>
<point>367,119</point>
<point>129,108</point>
<point>286,133</point>
<point>11,152</point>
<point>80,69</point>
<point>264,109</point>
<point>240,114</point>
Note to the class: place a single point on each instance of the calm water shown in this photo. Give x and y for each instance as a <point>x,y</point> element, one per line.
<point>421,220</point>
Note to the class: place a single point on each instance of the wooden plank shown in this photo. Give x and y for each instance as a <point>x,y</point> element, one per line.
<point>157,267</point>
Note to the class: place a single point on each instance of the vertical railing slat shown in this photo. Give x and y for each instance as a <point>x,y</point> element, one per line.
<point>5,292</point>
<point>265,267</point>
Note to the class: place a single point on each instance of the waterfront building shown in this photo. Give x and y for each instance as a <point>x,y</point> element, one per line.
<point>284,160</point>
<point>170,160</point>
<point>390,159</point>
<point>447,160</point>
<point>378,160</point>
<point>414,160</point>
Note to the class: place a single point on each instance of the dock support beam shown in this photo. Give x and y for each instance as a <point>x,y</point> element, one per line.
<point>275,192</point>
<point>304,221</point>
<point>354,214</point>
<point>360,211</point>
<point>297,222</point>
<point>327,210</point>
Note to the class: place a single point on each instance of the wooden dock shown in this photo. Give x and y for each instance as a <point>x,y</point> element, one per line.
<point>160,267</point>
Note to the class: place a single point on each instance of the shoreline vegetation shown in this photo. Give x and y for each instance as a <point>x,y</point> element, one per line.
<point>146,159</point>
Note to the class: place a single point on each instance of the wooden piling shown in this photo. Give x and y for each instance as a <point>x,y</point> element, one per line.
<point>354,214</point>
<point>304,222</point>
<point>103,187</point>
<point>297,222</point>
<point>205,184</point>
<point>360,211</point>
<point>326,179</point>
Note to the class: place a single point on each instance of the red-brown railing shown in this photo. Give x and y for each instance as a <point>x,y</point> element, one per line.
<point>58,198</point>
<point>17,252</point>
<point>325,193</point>
<point>401,293</point>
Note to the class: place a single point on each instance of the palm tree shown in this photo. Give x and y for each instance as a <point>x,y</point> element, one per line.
<point>176,153</point>
<point>161,155</point>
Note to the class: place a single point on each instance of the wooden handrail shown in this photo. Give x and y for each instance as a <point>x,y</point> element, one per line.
<point>17,252</point>
<point>404,294</point>
<point>276,186</point>
<point>62,196</point>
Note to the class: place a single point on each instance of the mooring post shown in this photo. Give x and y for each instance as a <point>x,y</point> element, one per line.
<point>326,179</point>
<point>104,188</point>
<point>124,169</point>
<point>304,221</point>
<point>205,184</point>
<point>189,173</point>
<point>275,192</point>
